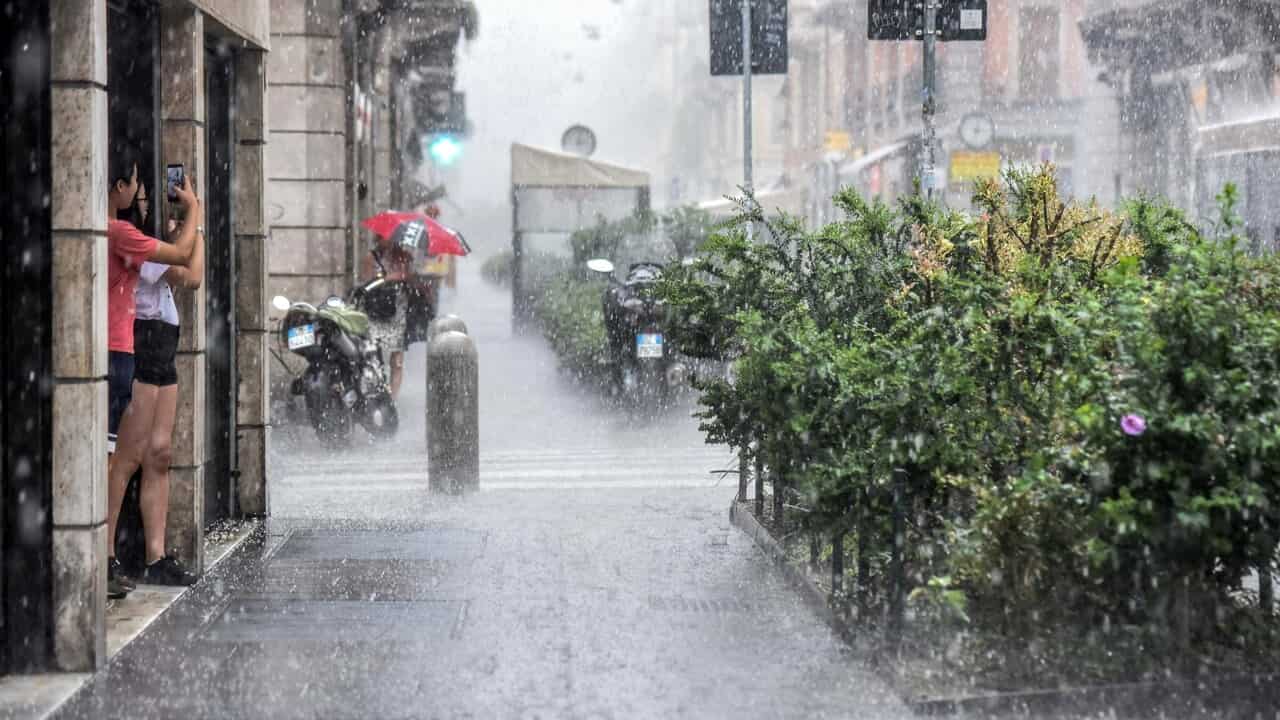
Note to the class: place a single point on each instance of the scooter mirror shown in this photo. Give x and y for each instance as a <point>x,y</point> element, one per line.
<point>600,265</point>
<point>281,303</point>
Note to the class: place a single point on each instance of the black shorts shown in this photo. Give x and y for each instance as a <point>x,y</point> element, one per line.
<point>119,392</point>
<point>155,348</point>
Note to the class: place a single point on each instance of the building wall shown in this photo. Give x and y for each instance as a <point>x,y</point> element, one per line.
<point>879,84</point>
<point>79,96</point>
<point>182,140</point>
<point>252,229</point>
<point>306,161</point>
<point>79,195</point>
<point>243,18</point>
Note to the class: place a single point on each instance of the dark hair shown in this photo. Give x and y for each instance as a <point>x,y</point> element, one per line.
<point>124,160</point>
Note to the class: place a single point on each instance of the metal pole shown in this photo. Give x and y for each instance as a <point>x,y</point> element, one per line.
<point>747,182</point>
<point>929,172</point>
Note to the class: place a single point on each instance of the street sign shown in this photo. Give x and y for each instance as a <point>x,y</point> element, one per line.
<point>893,19</point>
<point>958,20</point>
<point>963,20</point>
<point>838,141</point>
<point>967,166</point>
<point>768,37</point>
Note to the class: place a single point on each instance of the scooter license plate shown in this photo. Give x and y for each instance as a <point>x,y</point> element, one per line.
<point>649,346</point>
<point>302,336</point>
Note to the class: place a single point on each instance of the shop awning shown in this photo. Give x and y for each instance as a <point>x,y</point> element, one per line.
<point>534,167</point>
<point>779,198</point>
<point>849,171</point>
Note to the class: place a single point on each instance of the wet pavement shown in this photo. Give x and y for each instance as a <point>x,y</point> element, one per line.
<point>594,576</point>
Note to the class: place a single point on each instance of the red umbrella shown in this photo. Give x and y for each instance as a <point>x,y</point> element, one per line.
<point>409,228</point>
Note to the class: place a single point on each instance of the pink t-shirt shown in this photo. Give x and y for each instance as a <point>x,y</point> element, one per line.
<point>127,248</point>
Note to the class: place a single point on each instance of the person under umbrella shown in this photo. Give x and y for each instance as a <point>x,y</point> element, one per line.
<point>387,306</point>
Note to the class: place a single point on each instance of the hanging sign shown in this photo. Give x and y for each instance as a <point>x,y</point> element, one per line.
<point>958,20</point>
<point>768,37</point>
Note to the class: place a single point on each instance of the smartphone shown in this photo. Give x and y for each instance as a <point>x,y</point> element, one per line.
<point>174,177</point>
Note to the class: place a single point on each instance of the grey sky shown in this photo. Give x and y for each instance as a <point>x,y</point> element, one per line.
<point>534,71</point>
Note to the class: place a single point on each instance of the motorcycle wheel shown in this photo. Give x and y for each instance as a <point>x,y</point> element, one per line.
<point>651,388</point>
<point>381,419</point>
<point>330,418</point>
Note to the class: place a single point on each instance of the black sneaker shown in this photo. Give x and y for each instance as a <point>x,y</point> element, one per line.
<point>118,586</point>
<point>168,571</point>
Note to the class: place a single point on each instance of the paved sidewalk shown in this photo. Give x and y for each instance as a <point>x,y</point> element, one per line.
<point>595,575</point>
<point>590,604</point>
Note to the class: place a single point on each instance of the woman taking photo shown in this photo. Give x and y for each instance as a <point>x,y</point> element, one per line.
<point>127,249</point>
<point>146,432</point>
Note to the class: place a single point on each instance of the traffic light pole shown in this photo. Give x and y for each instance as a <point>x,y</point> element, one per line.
<point>929,171</point>
<point>747,182</point>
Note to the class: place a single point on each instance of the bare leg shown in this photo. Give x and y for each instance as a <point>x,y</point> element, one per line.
<point>131,443</point>
<point>155,472</point>
<point>397,372</point>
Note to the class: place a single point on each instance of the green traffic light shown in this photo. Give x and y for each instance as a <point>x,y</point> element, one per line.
<point>445,150</point>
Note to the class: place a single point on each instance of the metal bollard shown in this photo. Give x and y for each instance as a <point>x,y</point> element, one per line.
<point>453,413</point>
<point>446,323</point>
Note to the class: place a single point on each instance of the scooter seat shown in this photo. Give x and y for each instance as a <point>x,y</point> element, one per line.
<point>352,322</point>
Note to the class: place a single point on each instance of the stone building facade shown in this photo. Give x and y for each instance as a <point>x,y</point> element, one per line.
<point>106,70</point>
<point>352,86</point>
<point>848,112</point>
<point>1030,81</point>
<point>1195,92</point>
<point>295,119</point>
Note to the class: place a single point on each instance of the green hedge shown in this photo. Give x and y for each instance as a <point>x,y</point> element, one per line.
<point>1072,413</point>
<point>571,317</point>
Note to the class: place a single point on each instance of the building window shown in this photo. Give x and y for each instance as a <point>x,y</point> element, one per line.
<point>1038,55</point>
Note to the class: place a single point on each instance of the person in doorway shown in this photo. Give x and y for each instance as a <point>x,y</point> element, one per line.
<point>146,430</point>
<point>127,249</point>
<point>387,307</point>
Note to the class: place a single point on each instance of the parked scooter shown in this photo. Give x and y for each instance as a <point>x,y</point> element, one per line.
<point>645,368</point>
<point>345,380</point>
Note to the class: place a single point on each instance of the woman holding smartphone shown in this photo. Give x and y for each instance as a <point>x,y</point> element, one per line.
<point>128,248</point>
<point>146,432</point>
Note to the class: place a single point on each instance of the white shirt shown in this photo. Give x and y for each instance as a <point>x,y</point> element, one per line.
<point>154,296</point>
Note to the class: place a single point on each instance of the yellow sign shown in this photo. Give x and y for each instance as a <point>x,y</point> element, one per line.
<point>968,166</point>
<point>838,141</point>
<point>437,266</point>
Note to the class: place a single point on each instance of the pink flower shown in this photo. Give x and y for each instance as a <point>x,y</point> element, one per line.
<point>1133,425</point>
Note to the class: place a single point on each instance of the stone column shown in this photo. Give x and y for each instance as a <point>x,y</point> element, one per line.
<point>306,158</point>
<point>383,143</point>
<point>79,210</point>
<point>252,326</point>
<point>182,140</point>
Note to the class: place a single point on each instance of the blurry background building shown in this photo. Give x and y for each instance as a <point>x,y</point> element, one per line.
<point>848,112</point>
<point>173,81</point>
<point>1197,87</point>
<point>359,91</point>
